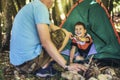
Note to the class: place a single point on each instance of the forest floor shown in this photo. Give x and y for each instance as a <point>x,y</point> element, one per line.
<point>8,72</point>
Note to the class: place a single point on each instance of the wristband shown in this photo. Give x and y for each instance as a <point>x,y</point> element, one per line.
<point>66,68</point>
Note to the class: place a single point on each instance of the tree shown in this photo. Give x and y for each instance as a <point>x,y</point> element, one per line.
<point>60,9</point>
<point>0,26</point>
<point>8,22</point>
<point>11,7</point>
<point>109,5</point>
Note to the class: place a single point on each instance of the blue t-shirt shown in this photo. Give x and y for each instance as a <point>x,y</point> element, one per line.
<point>25,43</point>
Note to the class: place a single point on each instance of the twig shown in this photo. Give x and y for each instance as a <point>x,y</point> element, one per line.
<point>90,60</point>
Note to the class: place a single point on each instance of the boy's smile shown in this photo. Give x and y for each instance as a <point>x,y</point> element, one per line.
<point>80,30</point>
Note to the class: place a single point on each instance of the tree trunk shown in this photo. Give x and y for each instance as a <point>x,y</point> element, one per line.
<point>14,8</point>
<point>110,6</point>
<point>8,23</point>
<point>20,3</point>
<point>74,1</point>
<point>0,34</point>
<point>60,10</point>
<point>106,3</point>
<point>0,25</point>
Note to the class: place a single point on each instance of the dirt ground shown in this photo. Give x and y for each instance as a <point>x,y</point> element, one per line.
<point>8,72</point>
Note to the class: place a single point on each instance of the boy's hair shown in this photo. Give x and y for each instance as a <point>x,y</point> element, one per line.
<point>80,23</point>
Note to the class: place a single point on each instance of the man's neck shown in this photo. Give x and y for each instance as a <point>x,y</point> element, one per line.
<point>44,2</point>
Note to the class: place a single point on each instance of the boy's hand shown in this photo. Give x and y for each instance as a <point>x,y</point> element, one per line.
<point>71,35</point>
<point>81,38</point>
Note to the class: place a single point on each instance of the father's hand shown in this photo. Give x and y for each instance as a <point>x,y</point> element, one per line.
<point>77,67</point>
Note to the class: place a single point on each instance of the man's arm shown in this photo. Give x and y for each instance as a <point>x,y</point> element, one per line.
<point>46,42</point>
<point>44,35</point>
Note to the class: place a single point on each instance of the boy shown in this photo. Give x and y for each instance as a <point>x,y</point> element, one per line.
<point>82,44</point>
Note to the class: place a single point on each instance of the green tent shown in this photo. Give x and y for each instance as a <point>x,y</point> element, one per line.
<point>98,26</point>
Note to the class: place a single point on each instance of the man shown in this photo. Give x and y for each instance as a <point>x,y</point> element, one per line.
<point>30,34</point>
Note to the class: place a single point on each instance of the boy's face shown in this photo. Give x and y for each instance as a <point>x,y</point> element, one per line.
<point>80,31</point>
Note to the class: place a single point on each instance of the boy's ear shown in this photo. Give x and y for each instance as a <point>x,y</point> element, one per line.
<point>85,31</point>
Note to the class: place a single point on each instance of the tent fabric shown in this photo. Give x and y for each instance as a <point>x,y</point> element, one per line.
<point>98,26</point>
<point>116,33</point>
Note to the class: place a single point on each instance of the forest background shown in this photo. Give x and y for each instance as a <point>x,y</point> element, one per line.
<point>8,11</point>
<point>9,8</point>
